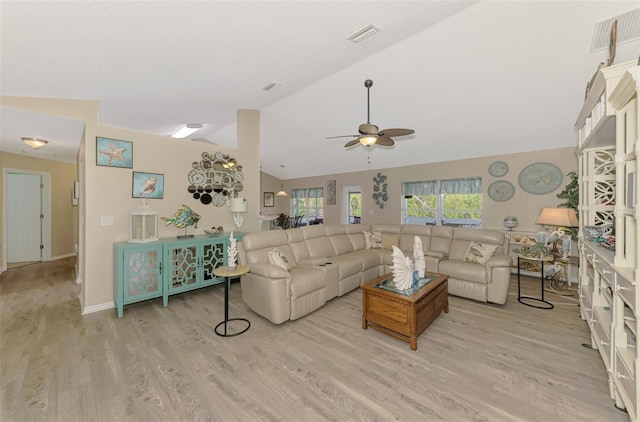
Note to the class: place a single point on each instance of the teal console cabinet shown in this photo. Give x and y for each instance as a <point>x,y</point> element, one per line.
<point>137,272</point>
<point>168,266</point>
<point>189,263</point>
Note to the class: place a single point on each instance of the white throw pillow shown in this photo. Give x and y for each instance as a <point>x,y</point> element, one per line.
<point>373,240</point>
<point>276,258</point>
<point>479,253</point>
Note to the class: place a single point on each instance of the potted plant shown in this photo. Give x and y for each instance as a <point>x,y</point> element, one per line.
<point>571,200</point>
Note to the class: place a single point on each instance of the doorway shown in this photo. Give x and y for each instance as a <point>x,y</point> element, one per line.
<point>351,210</point>
<point>26,226</point>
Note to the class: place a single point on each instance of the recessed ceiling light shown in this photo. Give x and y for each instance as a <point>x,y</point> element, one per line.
<point>364,33</point>
<point>271,87</point>
<point>187,130</point>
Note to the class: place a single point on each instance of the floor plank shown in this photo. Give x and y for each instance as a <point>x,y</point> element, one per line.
<point>479,362</point>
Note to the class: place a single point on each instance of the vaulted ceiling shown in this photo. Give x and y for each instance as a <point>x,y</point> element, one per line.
<point>473,78</point>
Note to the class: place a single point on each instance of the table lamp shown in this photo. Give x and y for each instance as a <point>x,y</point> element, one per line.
<point>560,218</point>
<point>238,205</point>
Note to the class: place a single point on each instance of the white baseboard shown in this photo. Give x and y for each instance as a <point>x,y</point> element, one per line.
<point>98,308</point>
<point>55,258</point>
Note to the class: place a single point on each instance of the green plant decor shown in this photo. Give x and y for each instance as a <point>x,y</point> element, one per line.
<point>571,200</point>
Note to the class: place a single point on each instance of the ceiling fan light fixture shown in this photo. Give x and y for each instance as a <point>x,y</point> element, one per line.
<point>35,143</point>
<point>368,140</point>
<point>187,130</point>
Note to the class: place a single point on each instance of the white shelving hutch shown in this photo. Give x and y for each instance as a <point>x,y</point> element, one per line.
<point>608,166</point>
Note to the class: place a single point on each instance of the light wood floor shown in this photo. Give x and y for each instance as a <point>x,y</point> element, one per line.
<point>480,362</point>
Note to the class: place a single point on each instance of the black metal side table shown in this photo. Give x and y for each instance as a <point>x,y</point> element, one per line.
<point>542,304</point>
<point>228,275</point>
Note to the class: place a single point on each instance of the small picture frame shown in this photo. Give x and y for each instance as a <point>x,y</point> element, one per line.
<point>147,185</point>
<point>114,153</point>
<point>267,200</point>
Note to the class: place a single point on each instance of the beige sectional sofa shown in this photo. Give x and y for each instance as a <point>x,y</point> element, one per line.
<point>326,261</point>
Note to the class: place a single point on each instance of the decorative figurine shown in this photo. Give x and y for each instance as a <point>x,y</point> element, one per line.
<point>182,219</point>
<point>402,269</point>
<point>232,253</point>
<point>418,257</point>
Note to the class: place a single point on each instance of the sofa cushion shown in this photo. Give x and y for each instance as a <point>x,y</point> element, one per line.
<point>372,240</point>
<point>479,253</point>
<point>305,280</point>
<point>341,244</point>
<point>463,270</point>
<point>278,259</point>
<point>389,240</point>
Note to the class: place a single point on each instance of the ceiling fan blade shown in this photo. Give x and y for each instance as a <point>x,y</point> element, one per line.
<point>385,141</point>
<point>352,143</point>
<point>396,132</point>
<point>342,136</point>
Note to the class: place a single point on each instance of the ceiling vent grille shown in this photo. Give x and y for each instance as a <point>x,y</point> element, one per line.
<point>271,87</point>
<point>363,33</point>
<point>628,29</point>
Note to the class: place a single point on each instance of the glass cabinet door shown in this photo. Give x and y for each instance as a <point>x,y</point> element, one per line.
<point>183,263</point>
<point>213,255</point>
<point>142,274</point>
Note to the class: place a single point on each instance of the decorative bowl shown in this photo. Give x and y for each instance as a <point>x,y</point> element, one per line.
<point>214,231</point>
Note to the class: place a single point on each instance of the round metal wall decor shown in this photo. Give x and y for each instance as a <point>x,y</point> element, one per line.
<point>498,168</point>
<point>501,191</point>
<point>540,178</point>
<point>215,179</point>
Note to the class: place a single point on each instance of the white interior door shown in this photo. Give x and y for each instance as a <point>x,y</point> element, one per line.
<point>24,222</point>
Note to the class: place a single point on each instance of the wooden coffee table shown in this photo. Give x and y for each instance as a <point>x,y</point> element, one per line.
<point>403,314</point>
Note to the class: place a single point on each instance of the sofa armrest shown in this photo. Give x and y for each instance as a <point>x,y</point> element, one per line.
<point>269,271</point>
<point>499,261</point>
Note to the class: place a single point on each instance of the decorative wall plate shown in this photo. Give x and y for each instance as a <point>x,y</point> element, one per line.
<point>498,168</point>
<point>501,191</point>
<point>540,178</point>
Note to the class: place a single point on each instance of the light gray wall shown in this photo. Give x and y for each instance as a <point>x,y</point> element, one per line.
<point>523,205</point>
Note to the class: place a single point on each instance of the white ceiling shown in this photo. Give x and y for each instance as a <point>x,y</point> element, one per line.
<point>472,78</point>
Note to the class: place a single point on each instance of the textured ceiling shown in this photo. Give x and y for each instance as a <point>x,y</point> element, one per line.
<point>472,78</point>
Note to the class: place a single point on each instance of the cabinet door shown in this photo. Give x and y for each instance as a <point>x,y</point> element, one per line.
<point>142,273</point>
<point>182,262</point>
<point>214,255</point>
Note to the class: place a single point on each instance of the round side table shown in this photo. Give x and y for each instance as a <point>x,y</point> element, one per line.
<point>228,274</point>
<point>539,302</point>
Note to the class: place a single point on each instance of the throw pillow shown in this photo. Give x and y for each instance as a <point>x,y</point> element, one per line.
<point>373,240</point>
<point>276,258</point>
<point>479,253</point>
<point>389,240</point>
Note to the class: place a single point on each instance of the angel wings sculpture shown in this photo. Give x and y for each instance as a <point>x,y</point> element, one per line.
<point>404,269</point>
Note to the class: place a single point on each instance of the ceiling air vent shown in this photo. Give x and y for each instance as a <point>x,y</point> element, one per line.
<point>628,29</point>
<point>363,33</point>
<point>271,87</point>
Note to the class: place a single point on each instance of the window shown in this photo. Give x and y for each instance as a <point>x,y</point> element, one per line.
<point>308,203</point>
<point>452,202</point>
<point>355,207</point>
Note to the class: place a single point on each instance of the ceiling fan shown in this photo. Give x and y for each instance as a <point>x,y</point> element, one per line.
<point>369,134</point>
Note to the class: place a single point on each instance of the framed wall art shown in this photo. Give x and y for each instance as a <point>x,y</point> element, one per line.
<point>267,200</point>
<point>148,185</point>
<point>114,153</point>
<point>331,192</point>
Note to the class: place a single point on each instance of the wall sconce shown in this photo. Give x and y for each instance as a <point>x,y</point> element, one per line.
<point>238,205</point>
<point>35,143</point>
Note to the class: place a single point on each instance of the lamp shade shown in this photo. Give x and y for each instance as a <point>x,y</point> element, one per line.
<point>559,217</point>
<point>238,205</point>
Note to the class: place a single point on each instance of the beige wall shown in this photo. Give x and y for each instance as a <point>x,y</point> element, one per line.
<point>64,216</point>
<point>523,205</point>
<point>106,191</point>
